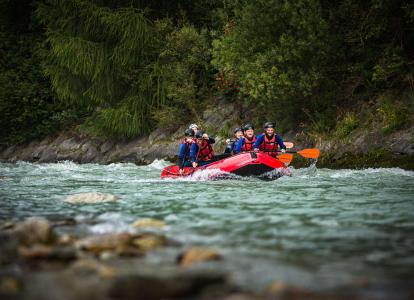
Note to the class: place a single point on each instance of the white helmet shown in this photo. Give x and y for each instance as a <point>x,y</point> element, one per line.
<point>192,126</point>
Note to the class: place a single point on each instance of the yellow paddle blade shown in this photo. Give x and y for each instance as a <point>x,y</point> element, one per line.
<point>289,145</point>
<point>285,157</point>
<point>310,153</point>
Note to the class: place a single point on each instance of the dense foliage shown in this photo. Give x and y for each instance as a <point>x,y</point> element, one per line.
<point>28,106</point>
<point>276,53</point>
<point>122,68</point>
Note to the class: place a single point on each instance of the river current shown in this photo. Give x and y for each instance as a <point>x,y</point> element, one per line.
<point>319,228</point>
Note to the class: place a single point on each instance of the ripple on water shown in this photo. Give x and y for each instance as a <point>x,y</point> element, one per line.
<point>319,226</point>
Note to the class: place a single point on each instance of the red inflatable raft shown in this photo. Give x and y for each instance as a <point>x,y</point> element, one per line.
<point>243,164</point>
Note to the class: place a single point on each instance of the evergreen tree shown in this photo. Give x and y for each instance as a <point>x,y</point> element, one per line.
<point>104,58</point>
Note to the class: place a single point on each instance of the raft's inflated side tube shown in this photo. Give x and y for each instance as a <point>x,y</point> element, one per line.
<point>243,164</point>
<point>173,172</point>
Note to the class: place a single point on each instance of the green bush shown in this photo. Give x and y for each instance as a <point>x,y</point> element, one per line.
<point>393,116</point>
<point>345,126</point>
<point>184,59</point>
<point>275,51</point>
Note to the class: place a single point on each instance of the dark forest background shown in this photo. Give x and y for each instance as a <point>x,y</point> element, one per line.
<point>120,69</point>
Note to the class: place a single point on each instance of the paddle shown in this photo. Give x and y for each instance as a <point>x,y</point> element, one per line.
<point>308,153</point>
<point>288,155</point>
<point>285,157</point>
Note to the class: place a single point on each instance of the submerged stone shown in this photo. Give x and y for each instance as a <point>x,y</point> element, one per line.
<point>198,254</point>
<point>92,197</point>
<point>148,223</point>
<point>149,242</point>
<point>140,286</point>
<point>43,252</point>
<point>10,287</point>
<point>8,247</point>
<point>67,239</point>
<point>34,231</point>
<point>92,267</point>
<point>104,242</point>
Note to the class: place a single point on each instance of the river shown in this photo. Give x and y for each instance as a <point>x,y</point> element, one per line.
<point>319,228</point>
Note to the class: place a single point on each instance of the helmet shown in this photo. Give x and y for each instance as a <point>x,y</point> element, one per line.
<point>237,129</point>
<point>199,134</point>
<point>189,132</point>
<point>268,125</point>
<point>248,126</point>
<point>193,126</point>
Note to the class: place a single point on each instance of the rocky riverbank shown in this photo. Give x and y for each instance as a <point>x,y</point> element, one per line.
<point>46,259</point>
<point>363,147</point>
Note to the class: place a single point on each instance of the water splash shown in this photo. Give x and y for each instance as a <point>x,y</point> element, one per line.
<point>210,174</point>
<point>320,222</point>
<point>158,164</point>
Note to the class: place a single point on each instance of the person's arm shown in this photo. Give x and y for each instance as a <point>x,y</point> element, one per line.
<point>259,140</point>
<point>193,152</point>
<point>181,155</point>
<point>280,142</point>
<point>239,145</point>
<point>229,147</point>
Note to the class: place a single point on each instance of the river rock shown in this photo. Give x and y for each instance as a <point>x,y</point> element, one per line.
<point>58,253</point>
<point>92,155</point>
<point>90,267</point>
<point>35,251</point>
<point>48,155</point>
<point>8,152</point>
<point>276,287</point>
<point>235,296</point>
<point>69,145</point>
<point>149,242</point>
<point>197,254</point>
<point>34,231</point>
<point>64,222</point>
<point>105,147</point>
<point>90,198</point>
<point>157,135</point>
<point>67,239</point>
<point>8,247</point>
<point>171,286</point>
<point>6,225</point>
<point>280,290</point>
<point>126,251</point>
<point>148,223</point>
<point>104,242</point>
<point>10,287</point>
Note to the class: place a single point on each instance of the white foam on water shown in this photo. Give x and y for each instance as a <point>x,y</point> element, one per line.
<point>392,171</point>
<point>371,171</point>
<point>158,164</point>
<point>172,217</point>
<point>111,223</point>
<point>277,173</point>
<point>325,223</point>
<point>117,166</point>
<point>211,174</point>
<point>108,227</point>
<point>65,165</point>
